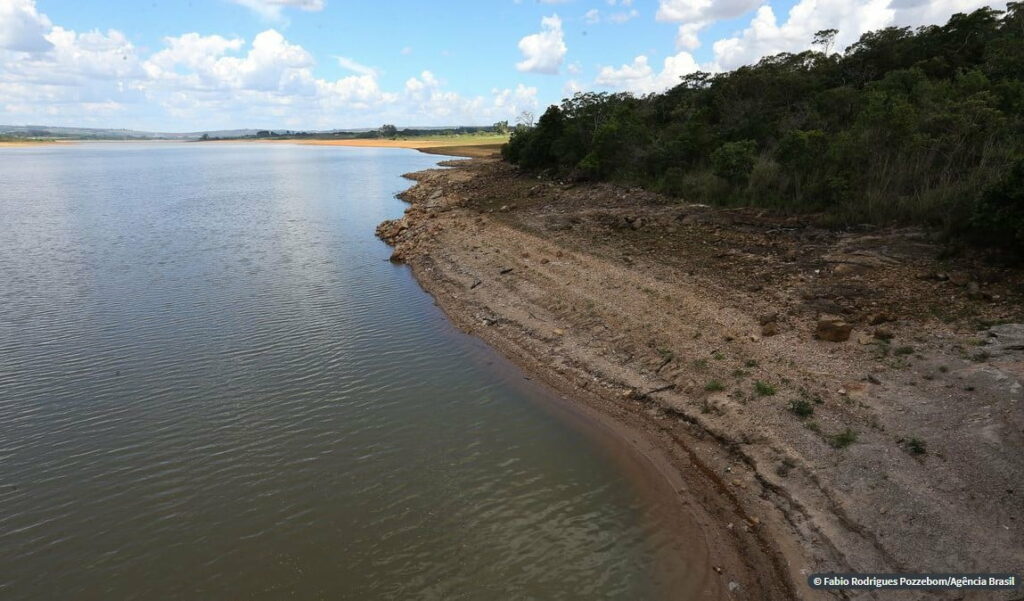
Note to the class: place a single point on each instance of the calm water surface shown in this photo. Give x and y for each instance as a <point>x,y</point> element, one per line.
<point>213,386</point>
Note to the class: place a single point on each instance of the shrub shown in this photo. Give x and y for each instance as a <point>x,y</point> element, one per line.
<point>763,388</point>
<point>843,439</point>
<point>802,408</point>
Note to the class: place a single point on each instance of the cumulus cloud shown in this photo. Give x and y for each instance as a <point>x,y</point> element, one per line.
<point>215,82</point>
<point>543,52</point>
<point>640,78</point>
<point>765,35</point>
<point>695,15</point>
<point>22,28</point>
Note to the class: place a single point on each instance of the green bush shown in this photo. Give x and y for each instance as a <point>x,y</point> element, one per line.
<point>906,126</point>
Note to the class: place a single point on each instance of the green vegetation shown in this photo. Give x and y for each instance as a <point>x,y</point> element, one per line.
<point>801,408</point>
<point>907,126</point>
<point>915,446</point>
<point>714,386</point>
<point>764,388</point>
<point>843,439</point>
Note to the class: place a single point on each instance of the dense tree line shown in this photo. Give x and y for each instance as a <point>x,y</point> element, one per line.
<point>906,126</point>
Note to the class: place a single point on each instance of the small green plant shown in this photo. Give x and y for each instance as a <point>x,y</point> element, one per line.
<point>700,364</point>
<point>943,369</point>
<point>763,388</point>
<point>801,408</point>
<point>750,363</point>
<point>739,373</point>
<point>714,386</point>
<point>843,439</point>
<point>718,356</point>
<point>916,446</point>
<point>813,426</point>
<point>903,350</point>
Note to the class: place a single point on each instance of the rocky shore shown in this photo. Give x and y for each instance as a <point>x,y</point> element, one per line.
<point>822,400</point>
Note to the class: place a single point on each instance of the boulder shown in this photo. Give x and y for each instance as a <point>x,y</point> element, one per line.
<point>832,328</point>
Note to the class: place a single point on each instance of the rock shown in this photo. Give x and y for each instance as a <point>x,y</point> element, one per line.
<point>959,278</point>
<point>874,379</point>
<point>770,329</point>
<point>733,586</point>
<point>1005,339</point>
<point>832,328</point>
<point>878,318</point>
<point>768,318</point>
<point>865,338</point>
<point>883,334</point>
<point>973,290</point>
<point>559,332</point>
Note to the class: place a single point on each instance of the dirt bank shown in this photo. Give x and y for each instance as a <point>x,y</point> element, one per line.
<point>897,449</point>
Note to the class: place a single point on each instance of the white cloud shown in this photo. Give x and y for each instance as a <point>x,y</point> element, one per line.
<point>695,15</point>
<point>766,36</point>
<point>592,16</point>
<point>543,52</point>
<point>271,9</point>
<point>355,67</point>
<point>22,28</point>
<point>640,78</point>
<point>624,16</point>
<point>215,82</point>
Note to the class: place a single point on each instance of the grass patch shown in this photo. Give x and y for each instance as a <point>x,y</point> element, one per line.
<point>750,363</point>
<point>915,446</point>
<point>714,386</point>
<point>801,408</point>
<point>903,350</point>
<point>843,439</point>
<point>764,388</point>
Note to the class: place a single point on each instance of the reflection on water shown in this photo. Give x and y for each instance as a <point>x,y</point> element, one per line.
<point>213,386</point>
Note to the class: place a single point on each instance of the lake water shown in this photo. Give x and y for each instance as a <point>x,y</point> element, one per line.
<point>214,386</point>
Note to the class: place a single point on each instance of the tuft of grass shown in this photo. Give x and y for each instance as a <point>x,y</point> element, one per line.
<point>718,356</point>
<point>714,386</point>
<point>764,388</point>
<point>750,363</point>
<point>843,439</point>
<point>801,408</point>
<point>700,364</point>
<point>916,446</point>
<point>903,350</point>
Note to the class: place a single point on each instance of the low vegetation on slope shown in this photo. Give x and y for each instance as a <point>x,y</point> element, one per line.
<point>906,126</point>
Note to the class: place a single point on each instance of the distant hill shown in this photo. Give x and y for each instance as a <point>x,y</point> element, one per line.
<point>89,133</point>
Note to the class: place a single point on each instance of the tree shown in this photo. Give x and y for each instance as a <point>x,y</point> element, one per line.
<point>501,127</point>
<point>525,119</point>
<point>388,131</point>
<point>825,38</point>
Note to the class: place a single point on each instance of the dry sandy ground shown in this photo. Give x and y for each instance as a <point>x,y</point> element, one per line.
<point>696,326</point>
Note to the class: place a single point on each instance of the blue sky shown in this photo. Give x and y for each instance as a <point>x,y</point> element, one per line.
<point>314,64</point>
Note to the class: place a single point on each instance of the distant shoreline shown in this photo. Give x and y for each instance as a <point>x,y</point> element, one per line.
<point>469,147</point>
<point>461,147</point>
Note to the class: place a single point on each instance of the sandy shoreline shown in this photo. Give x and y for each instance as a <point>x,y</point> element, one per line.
<point>665,318</point>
